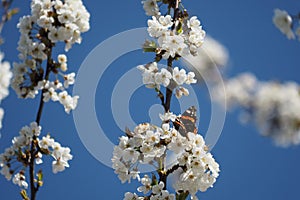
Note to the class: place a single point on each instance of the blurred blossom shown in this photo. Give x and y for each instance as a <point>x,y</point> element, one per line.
<point>211,57</point>
<point>284,22</point>
<point>272,106</point>
<point>5,77</point>
<point>151,7</point>
<point>1,117</point>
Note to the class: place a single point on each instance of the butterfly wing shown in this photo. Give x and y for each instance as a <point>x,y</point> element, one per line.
<point>187,122</point>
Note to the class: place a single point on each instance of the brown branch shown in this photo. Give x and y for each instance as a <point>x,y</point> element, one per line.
<point>173,169</point>
<point>161,97</point>
<point>31,171</point>
<point>41,105</point>
<point>163,174</point>
<point>34,147</point>
<point>169,89</point>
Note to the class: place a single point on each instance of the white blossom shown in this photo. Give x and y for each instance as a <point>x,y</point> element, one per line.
<point>146,181</point>
<point>19,179</point>
<point>50,94</point>
<point>177,144</point>
<point>179,76</point>
<point>167,116</point>
<point>69,79</point>
<point>156,189</point>
<point>131,196</point>
<point>173,45</point>
<point>46,142</point>
<point>190,78</point>
<point>61,157</point>
<point>37,51</point>
<point>148,73</point>
<point>156,28</point>
<point>62,58</point>
<point>163,77</point>
<point>196,35</point>
<point>35,129</point>
<point>69,102</point>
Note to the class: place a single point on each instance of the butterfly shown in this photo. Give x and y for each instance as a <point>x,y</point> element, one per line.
<point>187,122</point>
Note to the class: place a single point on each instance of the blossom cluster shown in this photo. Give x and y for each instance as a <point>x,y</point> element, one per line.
<point>286,23</point>
<point>172,42</point>
<point>154,78</point>
<point>148,144</point>
<point>156,190</point>
<point>272,106</point>
<point>5,76</point>
<point>21,151</point>
<point>50,22</point>
<point>62,97</point>
<point>174,37</point>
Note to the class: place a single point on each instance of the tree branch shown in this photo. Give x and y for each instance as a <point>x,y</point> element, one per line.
<point>33,188</point>
<point>169,89</point>
<point>163,174</point>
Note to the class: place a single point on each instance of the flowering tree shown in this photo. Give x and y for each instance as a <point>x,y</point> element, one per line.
<point>40,71</point>
<point>180,159</point>
<point>174,35</point>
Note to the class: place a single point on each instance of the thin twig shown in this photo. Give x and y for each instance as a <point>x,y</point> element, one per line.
<point>5,16</point>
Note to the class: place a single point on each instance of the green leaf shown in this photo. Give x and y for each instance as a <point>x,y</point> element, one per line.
<point>149,46</point>
<point>40,178</point>
<point>179,28</point>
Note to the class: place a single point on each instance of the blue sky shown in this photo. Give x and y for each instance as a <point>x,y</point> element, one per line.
<point>252,167</point>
